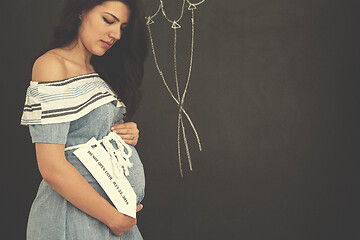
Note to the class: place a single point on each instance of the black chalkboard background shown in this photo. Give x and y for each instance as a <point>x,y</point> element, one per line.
<point>274,97</point>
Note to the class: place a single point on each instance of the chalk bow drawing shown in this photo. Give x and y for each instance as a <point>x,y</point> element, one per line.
<point>179,98</point>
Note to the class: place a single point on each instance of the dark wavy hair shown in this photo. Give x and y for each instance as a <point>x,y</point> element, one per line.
<point>122,67</point>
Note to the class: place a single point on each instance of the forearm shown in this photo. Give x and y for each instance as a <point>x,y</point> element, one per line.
<point>69,183</point>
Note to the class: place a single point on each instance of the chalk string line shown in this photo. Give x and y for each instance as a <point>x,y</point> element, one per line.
<point>179,99</point>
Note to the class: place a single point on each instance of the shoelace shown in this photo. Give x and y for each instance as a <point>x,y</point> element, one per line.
<point>119,158</point>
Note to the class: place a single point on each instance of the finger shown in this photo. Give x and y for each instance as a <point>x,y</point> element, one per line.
<point>139,207</point>
<point>131,142</point>
<point>123,130</point>
<point>128,141</point>
<point>127,137</point>
<point>133,131</point>
<point>131,125</point>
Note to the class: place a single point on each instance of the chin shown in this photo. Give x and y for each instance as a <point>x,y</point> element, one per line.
<point>99,53</point>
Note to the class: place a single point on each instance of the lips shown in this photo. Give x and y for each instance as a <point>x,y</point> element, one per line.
<point>108,44</point>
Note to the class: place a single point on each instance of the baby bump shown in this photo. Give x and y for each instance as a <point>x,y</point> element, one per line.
<point>136,177</point>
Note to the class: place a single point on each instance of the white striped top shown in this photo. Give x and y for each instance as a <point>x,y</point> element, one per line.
<point>66,100</point>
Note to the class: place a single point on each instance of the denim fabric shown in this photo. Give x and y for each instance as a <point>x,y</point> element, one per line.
<point>50,133</point>
<point>53,217</point>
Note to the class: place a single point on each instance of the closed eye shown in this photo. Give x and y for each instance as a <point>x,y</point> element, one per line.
<point>107,21</point>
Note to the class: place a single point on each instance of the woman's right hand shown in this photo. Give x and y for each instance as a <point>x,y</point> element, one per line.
<point>123,223</point>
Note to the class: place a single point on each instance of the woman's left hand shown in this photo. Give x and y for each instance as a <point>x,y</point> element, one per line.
<point>127,131</point>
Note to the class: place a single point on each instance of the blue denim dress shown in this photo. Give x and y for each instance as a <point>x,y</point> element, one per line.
<point>52,216</point>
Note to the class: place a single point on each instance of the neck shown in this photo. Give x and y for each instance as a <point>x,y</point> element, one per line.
<point>78,53</point>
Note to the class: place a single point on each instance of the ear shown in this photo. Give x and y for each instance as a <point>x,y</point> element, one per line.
<point>82,14</point>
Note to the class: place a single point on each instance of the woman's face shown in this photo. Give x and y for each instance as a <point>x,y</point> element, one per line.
<point>102,26</point>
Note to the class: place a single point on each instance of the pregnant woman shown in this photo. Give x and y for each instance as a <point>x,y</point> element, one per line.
<point>81,82</point>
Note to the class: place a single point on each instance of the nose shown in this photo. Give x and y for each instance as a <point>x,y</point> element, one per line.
<point>115,33</point>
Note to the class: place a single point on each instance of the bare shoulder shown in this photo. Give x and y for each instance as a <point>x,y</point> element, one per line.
<point>49,67</point>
